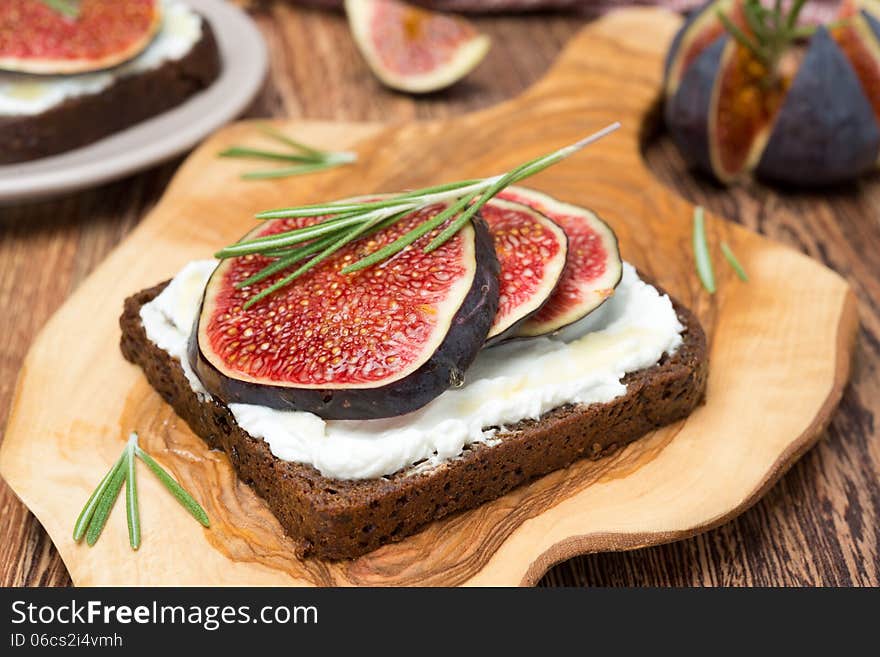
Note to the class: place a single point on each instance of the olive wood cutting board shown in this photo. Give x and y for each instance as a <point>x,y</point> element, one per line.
<point>780,349</point>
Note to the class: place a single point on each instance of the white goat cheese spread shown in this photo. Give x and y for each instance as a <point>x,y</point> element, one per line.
<point>507,383</point>
<point>24,94</point>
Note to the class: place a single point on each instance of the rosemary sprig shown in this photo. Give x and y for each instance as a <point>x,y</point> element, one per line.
<point>105,503</point>
<point>701,252</point>
<point>93,517</point>
<point>346,221</point>
<point>187,500</point>
<point>67,8</point>
<point>132,511</point>
<point>307,158</point>
<point>85,517</point>
<point>770,32</point>
<point>703,257</point>
<point>733,262</point>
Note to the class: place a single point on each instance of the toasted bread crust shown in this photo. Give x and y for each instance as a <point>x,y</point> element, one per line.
<point>129,100</point>
<point>340,519</point>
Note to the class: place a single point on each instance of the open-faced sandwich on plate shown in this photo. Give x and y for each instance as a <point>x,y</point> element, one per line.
<point>72,73</point>
<point>374,364</point>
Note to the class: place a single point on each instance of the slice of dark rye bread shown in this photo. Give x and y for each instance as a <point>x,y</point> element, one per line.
<point>128,100</point>
<point>340,519</point>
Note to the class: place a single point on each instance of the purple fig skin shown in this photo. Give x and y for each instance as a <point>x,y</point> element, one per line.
<point>679,37</point>
<point>873,23</point>
<point>446,367</point>
<point>826,131</point>
<point>687,112</point>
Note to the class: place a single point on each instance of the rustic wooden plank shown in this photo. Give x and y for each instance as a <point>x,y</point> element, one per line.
<point>791,537</point>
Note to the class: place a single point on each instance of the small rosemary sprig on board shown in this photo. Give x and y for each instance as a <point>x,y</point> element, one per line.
<point>302,158</point>
<point>703,257</point>
<point>67,8</point>
<point>701,252</point>
<point>347,221</point>
<point>94,514</point>
<point>733,262</point>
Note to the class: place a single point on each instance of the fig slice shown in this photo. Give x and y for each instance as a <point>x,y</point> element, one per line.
<point>742,111</point>
<point>826,131</point>
<point>687,111</point>
<point>413,49</point>
<point>531,250</point>
<point>593,267</point>
<point>380,342</point>
<point>34,38</point>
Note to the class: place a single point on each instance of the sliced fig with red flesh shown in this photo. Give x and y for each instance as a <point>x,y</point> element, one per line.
<point>379,342</point>
<point>593,267</point>
<point>531,250</point>
<point>826,131</point>
<point>413,49</point>
<point>34,38</point>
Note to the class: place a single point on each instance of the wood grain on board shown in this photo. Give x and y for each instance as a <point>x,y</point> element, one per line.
<point>775,543</point>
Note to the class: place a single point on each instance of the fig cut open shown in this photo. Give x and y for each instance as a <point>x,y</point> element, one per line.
<point>413,49</point>
<point>35,38</point>
<point>531,250</point>
<point>375,343</point>
<point>593,267</point>
<point>809,116</point>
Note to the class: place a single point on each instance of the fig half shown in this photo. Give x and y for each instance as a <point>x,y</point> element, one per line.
<point>379,342</point>
<point>593,267</point>
<point>826,131</point>
<point>34,38</point>
<point>413,49</point>
<point>531,250</point>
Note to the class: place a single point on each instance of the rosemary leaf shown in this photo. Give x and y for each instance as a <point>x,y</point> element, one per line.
<point>701,252</point>
<point>174,488</point>
<point>241,151</point>
<point>289,171</point>
<point>67,8</point>
<point>733,262</point>
<point>105,504</point>
<point>358,206</point>
<point>290,238</point>
<point>310,160</point>
<point>326,253</point>
<point>752,12</point>
<point>793,13</point>
<point>85,516</point>
<point>743,39</point>
<point>132,511</point>
<point>269,131</point>
<point>290,258</point>
<point>449,232</point>
<point>408,238</point>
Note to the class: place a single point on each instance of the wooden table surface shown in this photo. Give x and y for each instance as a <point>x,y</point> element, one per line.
<point>820,525</point>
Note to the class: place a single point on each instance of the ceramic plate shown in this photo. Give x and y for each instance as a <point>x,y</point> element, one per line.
<point>164,136</point>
